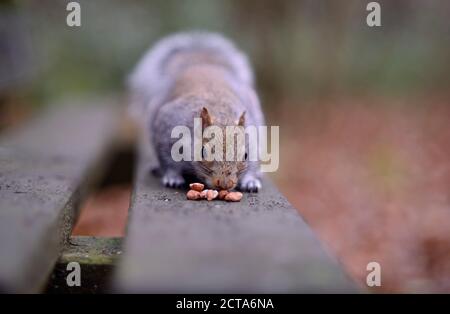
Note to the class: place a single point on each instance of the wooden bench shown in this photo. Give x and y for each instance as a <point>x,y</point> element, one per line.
<point>172,245</point>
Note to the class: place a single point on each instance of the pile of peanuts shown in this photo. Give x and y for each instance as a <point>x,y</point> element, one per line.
<point>197,192</point>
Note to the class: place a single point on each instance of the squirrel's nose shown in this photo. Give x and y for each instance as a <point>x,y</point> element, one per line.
<point>230,185</point>
<point>225,184</point>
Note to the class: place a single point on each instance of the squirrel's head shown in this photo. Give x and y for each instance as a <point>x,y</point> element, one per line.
<point>223,174</point>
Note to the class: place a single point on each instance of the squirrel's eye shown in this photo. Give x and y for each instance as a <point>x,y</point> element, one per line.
<point>203,152</point>
<point>245,156</point>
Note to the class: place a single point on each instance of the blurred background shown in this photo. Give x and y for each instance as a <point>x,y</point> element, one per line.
<point>364,112</point>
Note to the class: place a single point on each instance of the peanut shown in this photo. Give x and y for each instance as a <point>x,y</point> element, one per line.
<point>197,186</point>
<point>193,195</point>
<point>222,194</point>
<point>233,196</point>
<point>203,194</point>
<point>211,194</point>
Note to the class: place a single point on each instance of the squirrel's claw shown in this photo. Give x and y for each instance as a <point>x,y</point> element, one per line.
<point>173,180</point>
<point>250,184</point>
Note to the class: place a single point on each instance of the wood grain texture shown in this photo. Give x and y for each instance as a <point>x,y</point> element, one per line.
<point>45,169</point>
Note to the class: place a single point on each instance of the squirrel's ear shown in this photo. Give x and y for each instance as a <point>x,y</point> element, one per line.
<point>206,118</point>
<point>241,121</point>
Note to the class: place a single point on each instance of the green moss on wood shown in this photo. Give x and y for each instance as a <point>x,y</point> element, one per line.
<point>92,250</point>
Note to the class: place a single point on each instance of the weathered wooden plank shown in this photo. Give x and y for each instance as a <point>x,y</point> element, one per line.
<point>97,258</point>
<point>44,170</point>
<point>260,244</point>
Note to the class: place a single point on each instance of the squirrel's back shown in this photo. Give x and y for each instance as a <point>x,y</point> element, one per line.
<point>154,74</point>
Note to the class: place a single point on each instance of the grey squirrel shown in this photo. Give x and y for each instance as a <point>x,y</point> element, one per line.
<point>196,75</point>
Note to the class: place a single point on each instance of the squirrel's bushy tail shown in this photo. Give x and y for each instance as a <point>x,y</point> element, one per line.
<point>153,74</point>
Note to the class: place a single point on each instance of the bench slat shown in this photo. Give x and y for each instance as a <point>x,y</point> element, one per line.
<point>260,244</point>
<point>44,170</point>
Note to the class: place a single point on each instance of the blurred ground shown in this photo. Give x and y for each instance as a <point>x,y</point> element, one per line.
<point>372,178</point>
<point>105,213</point>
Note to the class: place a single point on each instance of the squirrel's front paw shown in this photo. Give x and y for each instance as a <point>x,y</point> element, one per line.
<point>250,184</point>
<point>172,179</point>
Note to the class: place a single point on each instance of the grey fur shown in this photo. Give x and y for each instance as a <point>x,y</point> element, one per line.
<point>152,82</point>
